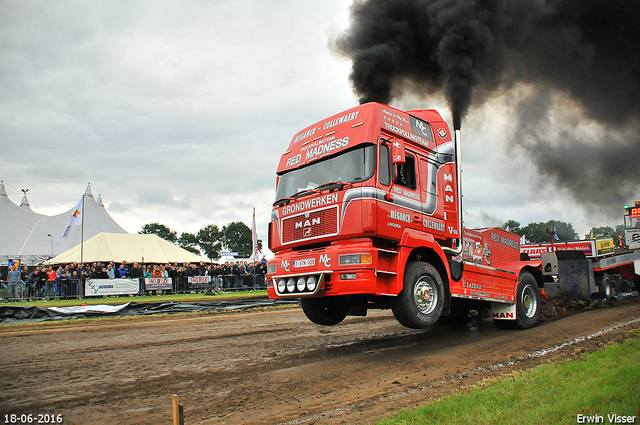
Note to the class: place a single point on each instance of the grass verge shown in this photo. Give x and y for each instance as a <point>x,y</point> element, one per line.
<point>596,385</point>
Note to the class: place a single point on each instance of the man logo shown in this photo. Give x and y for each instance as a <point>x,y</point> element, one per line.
<point>307,232</point>
<point>307,223</point>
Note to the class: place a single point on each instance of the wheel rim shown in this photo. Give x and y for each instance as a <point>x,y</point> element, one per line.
<point>529,301</point>
<point>607,288</point>
<point>425,295</point>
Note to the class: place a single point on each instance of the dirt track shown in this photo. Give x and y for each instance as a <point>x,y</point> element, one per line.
<point>266,367</point>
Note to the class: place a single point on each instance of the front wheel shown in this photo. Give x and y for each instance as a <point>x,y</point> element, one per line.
<point>420,302</point>
<point>326,311</point>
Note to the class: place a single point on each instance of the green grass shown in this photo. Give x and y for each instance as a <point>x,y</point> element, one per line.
<point>600,383</point>
<point>137,299</point>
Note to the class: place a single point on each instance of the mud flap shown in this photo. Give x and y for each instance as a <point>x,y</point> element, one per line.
<point>502,311</point>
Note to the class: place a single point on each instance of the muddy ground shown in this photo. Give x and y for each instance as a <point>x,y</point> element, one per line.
<point>270,366</point>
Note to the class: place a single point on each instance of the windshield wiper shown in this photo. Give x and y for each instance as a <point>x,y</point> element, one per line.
<point>286,199</point>
<point>330,185</point>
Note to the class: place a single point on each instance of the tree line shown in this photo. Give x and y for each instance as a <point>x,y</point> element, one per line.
<point>210,240</point>
<point>540,232</point>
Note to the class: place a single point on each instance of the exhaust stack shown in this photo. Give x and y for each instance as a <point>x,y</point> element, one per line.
<point>458,249</point>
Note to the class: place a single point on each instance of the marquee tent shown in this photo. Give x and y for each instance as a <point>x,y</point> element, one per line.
<point>105,247</point>
<point>31,237</point>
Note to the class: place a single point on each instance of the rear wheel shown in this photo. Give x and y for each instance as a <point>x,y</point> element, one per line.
<point>326,311</point>
<point>605,287</point>
<point>420,302</point>
<point>527,303</point>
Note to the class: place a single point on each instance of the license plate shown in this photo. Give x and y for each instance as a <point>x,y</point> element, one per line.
<point>307,262</point>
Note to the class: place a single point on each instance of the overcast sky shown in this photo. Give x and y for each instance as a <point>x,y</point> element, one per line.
<point>178,111</point>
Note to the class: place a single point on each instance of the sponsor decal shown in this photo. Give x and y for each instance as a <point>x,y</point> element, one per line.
<point>306,134</point>
<point>412,195</point>
<point>324,259</point>
<point>471,285</point>
<point>420,128</point>
<point>310,203</point>
<point>285,265</point>
<point>324,148</point>
<point>434,225</point>
<point>396,225</point>
<point>396,215</point>
<point>307,262</point>
<point>442,133</point>
<point>341,120</point>
<point>395,117</point>
<point>510,243</point>
<point>407,135</point>
<point>293,160</point>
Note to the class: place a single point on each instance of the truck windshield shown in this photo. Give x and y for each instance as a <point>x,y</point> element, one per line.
<point>351,166</point>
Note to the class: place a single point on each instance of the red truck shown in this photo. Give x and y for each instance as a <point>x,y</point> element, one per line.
<point>368,215</point>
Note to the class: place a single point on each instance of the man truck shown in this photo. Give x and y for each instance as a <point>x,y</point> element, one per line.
<point>368,215</point>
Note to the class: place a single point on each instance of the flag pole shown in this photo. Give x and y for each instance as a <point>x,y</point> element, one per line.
<point>82,227</point>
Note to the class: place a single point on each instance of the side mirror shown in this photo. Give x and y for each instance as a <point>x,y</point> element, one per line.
<point>397,151</point>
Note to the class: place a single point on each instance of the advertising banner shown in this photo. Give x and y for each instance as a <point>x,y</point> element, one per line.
<point>157,283</point>
<point>100,287</point>
<point>199,279</point>
<point>535,251</point>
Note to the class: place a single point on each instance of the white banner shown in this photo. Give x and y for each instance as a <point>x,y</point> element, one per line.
<point>99,287</point>
<point>156,283</point>
<point>199,279</point>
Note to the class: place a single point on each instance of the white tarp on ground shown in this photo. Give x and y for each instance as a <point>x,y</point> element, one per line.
<point>31,237</point>
<point>105,247</point>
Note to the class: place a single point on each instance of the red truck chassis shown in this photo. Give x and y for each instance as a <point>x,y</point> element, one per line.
<point>368,215</point>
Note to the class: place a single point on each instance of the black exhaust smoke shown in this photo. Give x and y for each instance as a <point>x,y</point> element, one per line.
<point>470,50</point>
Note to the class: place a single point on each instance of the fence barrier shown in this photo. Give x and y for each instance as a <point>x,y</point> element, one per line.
<point>77,288</point>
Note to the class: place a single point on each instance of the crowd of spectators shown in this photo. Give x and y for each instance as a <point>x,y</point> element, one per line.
<point>68,280</point>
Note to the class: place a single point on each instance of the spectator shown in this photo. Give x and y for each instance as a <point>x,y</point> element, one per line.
<point>14,283</point>
<point>147,272</point>
<point>111,274</point>
<point>124,266</point>
<point>32,280</point>
<point>136,271</point>
<point>43,285</point>
<point>122,272</point>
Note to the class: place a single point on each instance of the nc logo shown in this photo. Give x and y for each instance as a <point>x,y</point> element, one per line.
<point>285,265</point>
<point>324,259</point>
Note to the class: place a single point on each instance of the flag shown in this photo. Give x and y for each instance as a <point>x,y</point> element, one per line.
<point>555,236</point>
<point>522,240</point>
<point>254,238</point>
<point>74,220</point>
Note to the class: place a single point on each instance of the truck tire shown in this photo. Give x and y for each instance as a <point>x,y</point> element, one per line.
<point>527,303</point>
<point>326,311</point>
<point>605,287</point>
<point>420,302</point>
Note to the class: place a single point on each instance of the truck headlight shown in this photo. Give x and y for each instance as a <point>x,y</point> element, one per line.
<point>301,283</point>
<point>282,284</point>
<point>312,282</point>
<point>291,284</point>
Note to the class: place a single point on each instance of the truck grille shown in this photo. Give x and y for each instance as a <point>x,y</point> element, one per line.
<point>310,225</point>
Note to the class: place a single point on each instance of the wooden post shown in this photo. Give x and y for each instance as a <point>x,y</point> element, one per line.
<point>178,413</point>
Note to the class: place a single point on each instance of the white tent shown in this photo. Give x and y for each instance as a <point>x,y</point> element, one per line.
<point>105,247</point>
<point>31,237</point>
